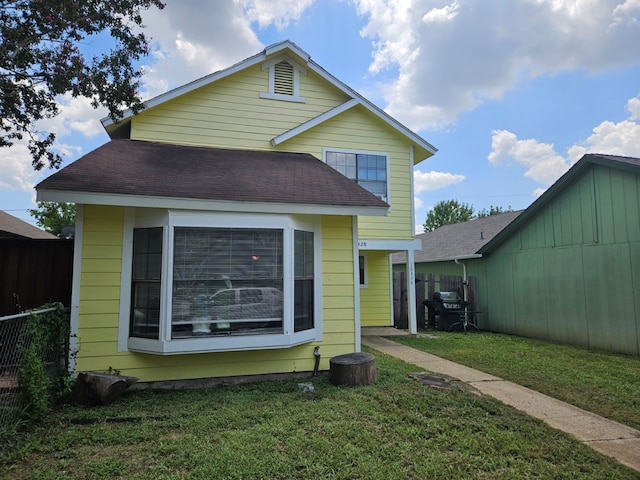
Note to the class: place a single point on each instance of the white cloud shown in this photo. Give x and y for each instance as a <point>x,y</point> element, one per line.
<point>16,172</point>
<point>280,13</point>
<point>442,15</point>
<point>633,107</point>
<point>539,191</point>
<point>434,180</point>
<point>622,138</point>
<point>452,56</point>
<point>76,116</point>
<point>191,39</point>
<point>544,165</point>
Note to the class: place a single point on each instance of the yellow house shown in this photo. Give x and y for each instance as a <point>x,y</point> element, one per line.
<point>239,222</point>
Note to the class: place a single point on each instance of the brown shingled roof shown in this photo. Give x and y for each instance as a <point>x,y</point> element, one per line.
<point>12,227</point>
<point>459,240</point>
<point>130,167</point>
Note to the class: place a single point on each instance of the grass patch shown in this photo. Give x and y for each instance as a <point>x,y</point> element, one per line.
<point>396,429</point>
<point>600,382</point>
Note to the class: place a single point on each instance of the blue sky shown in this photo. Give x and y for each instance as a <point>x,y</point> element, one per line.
<point>511,92</point>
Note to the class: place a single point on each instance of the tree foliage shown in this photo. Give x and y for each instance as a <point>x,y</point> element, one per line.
<point>446,212</point>
<point>493,211</point>
<point>55,217</point>
<point>41,58</point>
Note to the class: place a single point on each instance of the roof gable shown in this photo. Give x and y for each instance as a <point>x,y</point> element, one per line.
<point>302,63</point>
<point>129,170</point>
<point>628,164</point>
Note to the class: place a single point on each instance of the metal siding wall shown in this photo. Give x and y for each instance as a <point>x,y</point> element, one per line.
<point>500,315</point>
<point>634,254</point>
<point>608,284</point>
<point>530,319</point>
<point>631,201</point>
<point>604,205</point>
<point>565,300</point>
<point>588,263</point>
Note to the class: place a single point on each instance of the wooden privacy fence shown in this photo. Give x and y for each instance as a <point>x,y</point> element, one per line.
<point>425,288</point>
<point>34,273</point>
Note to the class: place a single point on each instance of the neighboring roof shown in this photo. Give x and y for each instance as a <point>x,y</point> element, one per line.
<point>629,164</point>
<point>459,240</point>
<point>124,171</point>
<point>292,49</point>
<point>12,227</point>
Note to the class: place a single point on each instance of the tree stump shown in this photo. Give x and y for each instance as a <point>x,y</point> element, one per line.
<point>353,369</point>
<point>96,388</point>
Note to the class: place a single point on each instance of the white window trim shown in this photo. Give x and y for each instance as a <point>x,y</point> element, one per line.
<point>364,152</point>
<point>136,218</point>
<point>297,69</point>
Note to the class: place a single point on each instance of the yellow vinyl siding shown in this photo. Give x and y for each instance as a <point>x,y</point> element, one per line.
<point>375,298</point>
<point>357,129</point>
<point>229,113</point>
<point>99,311</point>
<point>99,286</point>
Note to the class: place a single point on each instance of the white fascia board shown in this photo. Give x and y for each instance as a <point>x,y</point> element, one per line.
<point>189,87</point>
<point>213,77</point>
<point>88,198</point>
<point>323,117</point>
<point>287,45</point>
<point>471,256</point>
<point>390,244</point>
<point>381,114</point>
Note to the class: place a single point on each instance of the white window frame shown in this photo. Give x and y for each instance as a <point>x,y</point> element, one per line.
<point>325,150</point>
<point>168,220</point>
<point>297,69</point>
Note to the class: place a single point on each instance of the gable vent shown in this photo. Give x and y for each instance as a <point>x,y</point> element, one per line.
<point>283,78</point>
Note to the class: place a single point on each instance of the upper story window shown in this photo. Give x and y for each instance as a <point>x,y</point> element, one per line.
<point>284,79</point>
<point>206,282</point>
<point>369,169</point>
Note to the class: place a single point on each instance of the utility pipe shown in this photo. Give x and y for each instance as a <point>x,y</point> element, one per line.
<point>465,287</point>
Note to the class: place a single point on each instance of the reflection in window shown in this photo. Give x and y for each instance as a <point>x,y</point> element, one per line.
<point>370,171</point>
<point>145,284</point>
<point>303,272</point>
<point>227,281</point>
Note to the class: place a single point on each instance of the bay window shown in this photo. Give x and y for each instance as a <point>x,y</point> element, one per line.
<point>198,286</point>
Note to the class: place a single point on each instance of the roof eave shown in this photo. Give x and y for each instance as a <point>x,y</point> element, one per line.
<point>143,201</point>
<point>577,169</point>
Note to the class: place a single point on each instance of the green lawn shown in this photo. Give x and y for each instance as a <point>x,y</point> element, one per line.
<point>601,382</point>
<point>397,428</point>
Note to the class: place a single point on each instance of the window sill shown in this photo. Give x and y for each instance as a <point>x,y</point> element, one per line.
<point>222,344</point>
<point>279,96</point>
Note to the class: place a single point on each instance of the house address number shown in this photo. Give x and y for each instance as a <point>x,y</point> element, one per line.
<point>362,243</point>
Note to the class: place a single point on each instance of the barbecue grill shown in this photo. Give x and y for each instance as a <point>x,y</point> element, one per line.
<point>446,309</point>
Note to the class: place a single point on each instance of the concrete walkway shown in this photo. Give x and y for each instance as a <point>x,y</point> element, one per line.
<point>606,436</point>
